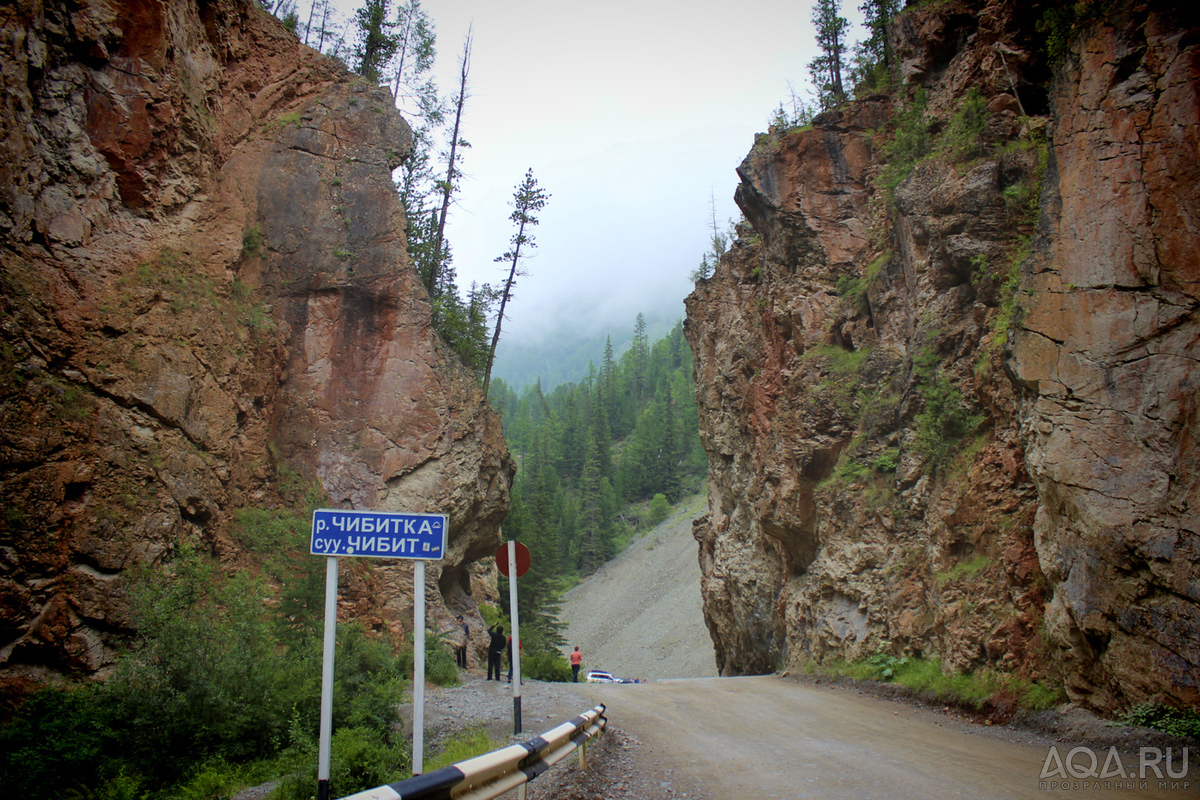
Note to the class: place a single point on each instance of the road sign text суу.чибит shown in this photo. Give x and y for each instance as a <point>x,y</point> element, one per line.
<point>378,534</point>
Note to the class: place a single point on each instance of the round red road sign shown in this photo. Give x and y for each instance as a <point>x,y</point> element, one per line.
<point>523,559</point>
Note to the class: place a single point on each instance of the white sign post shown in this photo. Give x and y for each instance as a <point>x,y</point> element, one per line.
<point>516,636</point>
<point>514,560</point>
<point>374,534</point>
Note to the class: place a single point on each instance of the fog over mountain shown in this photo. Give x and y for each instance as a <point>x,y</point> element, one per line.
<point>561,353</point>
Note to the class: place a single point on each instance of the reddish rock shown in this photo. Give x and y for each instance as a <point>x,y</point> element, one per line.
<point>191,326</point>
<point>1059,541</point>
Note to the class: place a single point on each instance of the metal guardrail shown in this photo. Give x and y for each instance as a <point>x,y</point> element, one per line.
<point>492,774</point>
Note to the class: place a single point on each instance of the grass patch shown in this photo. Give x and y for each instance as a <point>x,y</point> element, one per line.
<point>924,676</point>
<point>964,570</point>
<point>461,746</point>
<point>286,119</point>
<point>840,361</point>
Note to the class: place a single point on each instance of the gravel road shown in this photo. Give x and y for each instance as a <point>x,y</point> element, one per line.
<point>682,738</point>
<point>639,616</point>
<point>619,767</point>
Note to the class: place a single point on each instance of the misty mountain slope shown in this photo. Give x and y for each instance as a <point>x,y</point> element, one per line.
<point>639,616</point>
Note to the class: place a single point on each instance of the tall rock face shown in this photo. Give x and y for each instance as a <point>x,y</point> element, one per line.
<point>207,304</point>
<point>955,418</point>
<point>1107,357</point>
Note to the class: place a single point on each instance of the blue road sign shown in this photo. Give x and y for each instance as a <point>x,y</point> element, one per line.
<point>378,534</point>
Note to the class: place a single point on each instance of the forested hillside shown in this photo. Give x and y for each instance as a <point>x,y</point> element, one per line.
<point>597,459</point>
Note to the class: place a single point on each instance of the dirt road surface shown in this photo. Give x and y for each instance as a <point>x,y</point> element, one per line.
<point>768,737</point>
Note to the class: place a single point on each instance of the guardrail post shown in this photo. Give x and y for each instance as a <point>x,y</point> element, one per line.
<point>583,757</point>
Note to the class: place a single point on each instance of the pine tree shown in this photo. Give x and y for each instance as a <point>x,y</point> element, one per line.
<point>416,48</point>
<point>528,201</point>
<point>452,172</point>
<point>376,43</point>
<point>640,359</point>
<point>826,69</point>
<point>593,541</point>
<point>877,17</point>
<point>873,58</point>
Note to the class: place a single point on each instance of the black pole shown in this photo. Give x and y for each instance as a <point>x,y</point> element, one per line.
<point>323,790</point>
<point>516,717</point>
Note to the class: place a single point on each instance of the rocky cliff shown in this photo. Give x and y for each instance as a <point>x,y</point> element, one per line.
<point>950,404</point>
<point>207,304</point>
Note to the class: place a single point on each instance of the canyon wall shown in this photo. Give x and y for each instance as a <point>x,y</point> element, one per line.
<point>950,412</point>
<point>208,306</point>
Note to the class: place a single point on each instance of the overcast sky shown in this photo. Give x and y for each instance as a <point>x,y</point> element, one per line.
<point>632,115</point>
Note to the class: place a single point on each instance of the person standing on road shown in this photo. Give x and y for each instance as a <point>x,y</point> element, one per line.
<point>460,652</point>
<point>495,650</point>
<point>576,662</point>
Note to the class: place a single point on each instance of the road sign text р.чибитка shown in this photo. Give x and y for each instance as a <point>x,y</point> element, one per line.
<point>378,534</point>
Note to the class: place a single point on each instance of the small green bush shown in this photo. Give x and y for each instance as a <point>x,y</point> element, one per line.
<point>850,470</point>
<point>214,687</point>
<point>361,759</point>
<point>440,668</point>
<point>945,418</point>
<point>909,145</point>
<point>56,744</point>
<point>963,137</point>
<point>546,665</point>
<point>1175,721</point>
<point>659,509</point>
<point>252,241</point>
<point>887,461</point>
<point>841,361</point>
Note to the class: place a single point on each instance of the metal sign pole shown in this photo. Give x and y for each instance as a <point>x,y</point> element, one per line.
<point>418,667</point>
<point>326,733</point>
<point>516,635</point>
<point>377,534</point>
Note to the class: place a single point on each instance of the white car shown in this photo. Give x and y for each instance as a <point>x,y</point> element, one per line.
<point>599,676</point>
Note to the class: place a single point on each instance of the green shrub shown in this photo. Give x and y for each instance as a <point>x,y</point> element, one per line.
<point>851,470</point>
<point>1039,696</point>
<point>252,241</point>
<point>887,461</point>
<point>841,361</point>
<point>546,665</point>
<point>909,145</point>
<point>361,759</point>
<point>1175,721</point>
<point>963,137</point>
<point>925,676</point>
<point>55,744</point>
<point>945,418</point>
<point>440,668</point>
<point>885,665</point>
<point>659,509</point>
<point>211,689</point>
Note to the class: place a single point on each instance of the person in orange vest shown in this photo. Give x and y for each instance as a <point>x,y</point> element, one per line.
<point>576,662</point>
